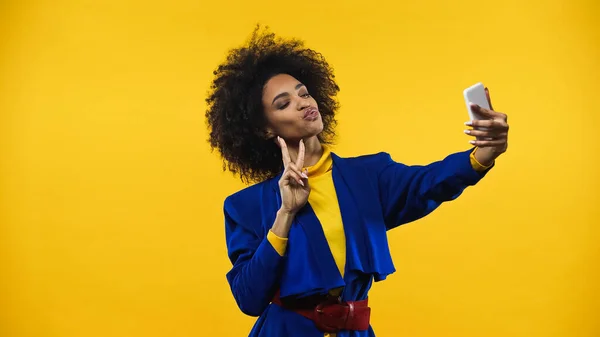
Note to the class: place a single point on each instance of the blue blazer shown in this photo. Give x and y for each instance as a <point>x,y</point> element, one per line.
<point>375,194</point>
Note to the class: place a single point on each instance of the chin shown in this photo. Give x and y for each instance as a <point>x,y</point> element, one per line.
<point>315,131</point>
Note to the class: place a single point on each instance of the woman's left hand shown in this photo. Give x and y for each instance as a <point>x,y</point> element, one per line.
<point>491,133</point>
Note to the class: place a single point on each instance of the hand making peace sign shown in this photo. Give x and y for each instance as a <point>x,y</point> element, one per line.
<point>293,185</point>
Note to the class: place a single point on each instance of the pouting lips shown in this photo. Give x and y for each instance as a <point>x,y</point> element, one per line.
<point>311,113</point>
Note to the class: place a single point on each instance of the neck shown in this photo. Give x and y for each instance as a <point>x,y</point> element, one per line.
<point>312,151</point>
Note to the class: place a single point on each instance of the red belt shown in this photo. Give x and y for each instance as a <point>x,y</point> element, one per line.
<point>332,315</point>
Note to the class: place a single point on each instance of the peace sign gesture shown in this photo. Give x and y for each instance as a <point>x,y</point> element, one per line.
<point>293,185</point>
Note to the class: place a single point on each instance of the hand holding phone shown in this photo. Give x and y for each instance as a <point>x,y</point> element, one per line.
<point>489,127</point>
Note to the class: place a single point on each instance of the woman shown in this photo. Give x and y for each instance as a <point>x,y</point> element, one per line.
<point>309,238</point>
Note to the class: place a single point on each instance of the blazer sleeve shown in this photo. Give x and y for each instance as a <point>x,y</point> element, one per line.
<point>408,193</point>
<point>256,264</point>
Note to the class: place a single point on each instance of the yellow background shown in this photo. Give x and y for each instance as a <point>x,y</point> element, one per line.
<point>111,201</point>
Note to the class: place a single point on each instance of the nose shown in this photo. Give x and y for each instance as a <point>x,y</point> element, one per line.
<point>302,103</point>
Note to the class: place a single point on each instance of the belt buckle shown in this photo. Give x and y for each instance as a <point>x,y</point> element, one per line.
<point>327,320</point>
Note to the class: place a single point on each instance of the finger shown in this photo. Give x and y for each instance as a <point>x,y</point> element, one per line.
<point>300,159</point>
<point>293,177</point>
<point>486,134</point>
<point>306,185</point>
<point>290,177</point>
<point>285,155</point>
<point>488,124</point>
<point>487,95</point>
<point>489,113</point>
<point>488,143</point>
<point>298,171</point>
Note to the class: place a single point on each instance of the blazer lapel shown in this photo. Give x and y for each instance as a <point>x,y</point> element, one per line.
<point>367,248</point>
<point>307,246</point>
<point>325,264</point>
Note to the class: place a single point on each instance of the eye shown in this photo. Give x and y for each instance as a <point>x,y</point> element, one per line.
<point>307,95</point>
<point>283,106</point>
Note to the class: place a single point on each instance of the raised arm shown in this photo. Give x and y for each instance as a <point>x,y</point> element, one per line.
<point>408,193</point>
<point>411,192</point>
<point>257,259</point>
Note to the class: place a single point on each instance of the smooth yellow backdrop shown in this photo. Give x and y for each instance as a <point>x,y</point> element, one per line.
<point>111,202</point>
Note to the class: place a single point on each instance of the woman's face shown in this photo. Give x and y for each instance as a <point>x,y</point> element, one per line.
<point>290,110</point>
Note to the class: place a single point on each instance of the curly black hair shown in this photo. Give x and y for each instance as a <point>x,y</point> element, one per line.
<point>235,113</point>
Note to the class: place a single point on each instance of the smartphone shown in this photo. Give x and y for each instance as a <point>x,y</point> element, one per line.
<point>476,94</point>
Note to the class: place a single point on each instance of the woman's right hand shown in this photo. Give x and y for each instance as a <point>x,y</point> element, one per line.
<point>293,185</point>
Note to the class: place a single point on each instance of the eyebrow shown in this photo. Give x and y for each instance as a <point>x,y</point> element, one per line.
<point>283,94</point>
